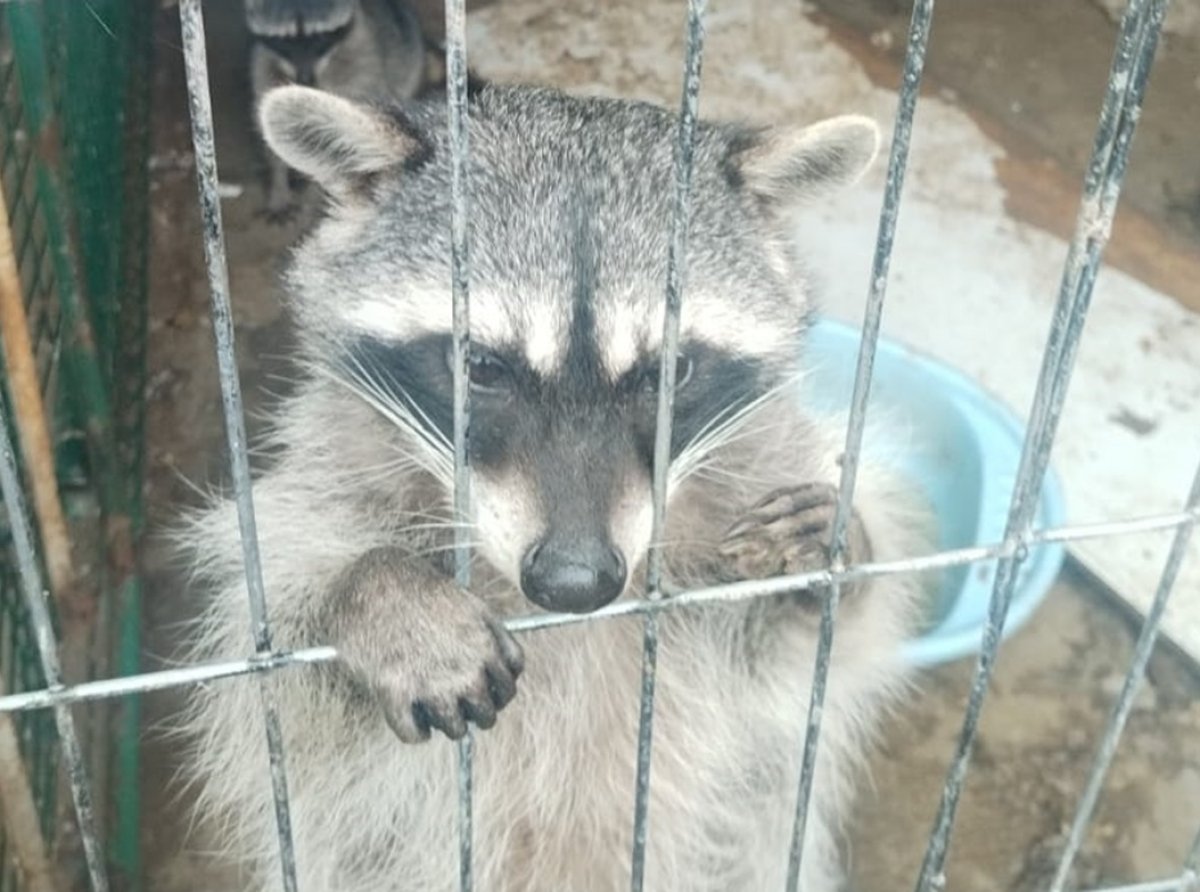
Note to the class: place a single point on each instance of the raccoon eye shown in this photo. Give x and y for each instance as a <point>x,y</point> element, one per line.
<point>486,372</point>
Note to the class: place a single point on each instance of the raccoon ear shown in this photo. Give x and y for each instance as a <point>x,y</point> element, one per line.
<point>791,165</point>
<point>337,143</point>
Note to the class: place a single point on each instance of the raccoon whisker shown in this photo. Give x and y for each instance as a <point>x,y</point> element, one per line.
<point>731,419</point>
<point>198,489</point>
<point>370,384</point>
<point>439,549</point>
<point>743,432</point>
<point>393,387</point>
<point>438,461</point>
<point>367,385</point>
<point>492,585</point>
<point>398,417</point>
<point>375,473</point>
<point>680,542</point>
<point>713,470</point>
<point>443,517</point>
<point>723,429</point>
<point>441,525</point>
<point>400,460</point>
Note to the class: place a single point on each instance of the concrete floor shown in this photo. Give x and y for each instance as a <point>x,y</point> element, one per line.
<point>1054,681</point>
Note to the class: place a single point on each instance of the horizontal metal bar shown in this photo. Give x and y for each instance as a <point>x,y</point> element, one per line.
<point>1101,530</point>
<point>730,593</point>
<point>1124,705</point>
<point>162,679</point>
<point>1184,883</point>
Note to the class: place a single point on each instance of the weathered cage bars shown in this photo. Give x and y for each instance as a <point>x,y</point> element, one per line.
<point>1137,41</point>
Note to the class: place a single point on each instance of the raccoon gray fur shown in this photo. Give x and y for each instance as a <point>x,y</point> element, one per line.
<point>569,225</point>
<point>361,49</point>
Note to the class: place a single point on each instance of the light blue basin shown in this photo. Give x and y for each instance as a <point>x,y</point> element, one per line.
<point>961,447</point>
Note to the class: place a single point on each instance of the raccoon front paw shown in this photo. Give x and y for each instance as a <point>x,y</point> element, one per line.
<point>790,531</point>
<point>467,676</point>
<point>432,655</point>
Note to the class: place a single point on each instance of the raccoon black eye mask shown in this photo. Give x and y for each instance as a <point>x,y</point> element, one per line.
<point>709,384</point>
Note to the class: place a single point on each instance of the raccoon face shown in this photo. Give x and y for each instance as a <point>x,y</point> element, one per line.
<point>569,226</point>
<point>300,37</point>
<point>561,461</point>
<point>303,58</point>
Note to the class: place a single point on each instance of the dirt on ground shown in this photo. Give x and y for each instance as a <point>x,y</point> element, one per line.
<point>1055,680</point>
<point>1040,69</point>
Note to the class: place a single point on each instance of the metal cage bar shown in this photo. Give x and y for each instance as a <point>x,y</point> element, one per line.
<point>36,597</point>
<point>195,58</point>
<point>1132,59</point>
<point>1129,689</point>
<point>676,274</point>
<point>1192,865</point>
<point>460,274</point>
<point>728,593</point>
<point>910,88</point>
<point>1185,883</point>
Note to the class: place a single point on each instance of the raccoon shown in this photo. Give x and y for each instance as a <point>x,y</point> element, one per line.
<point>570,209</point>
<point>354,48</point>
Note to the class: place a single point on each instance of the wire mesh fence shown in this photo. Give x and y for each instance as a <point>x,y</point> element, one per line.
<point>1132,61</point>
<point>72,311</point>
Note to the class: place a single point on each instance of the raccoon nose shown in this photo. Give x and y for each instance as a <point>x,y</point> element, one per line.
<point>572,576</point>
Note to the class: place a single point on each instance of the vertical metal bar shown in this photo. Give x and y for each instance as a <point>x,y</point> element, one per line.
<point>1191,867</point>
<point>39,617</point>
<point>1124,704</point>
<point>1127,80</point>
<point>460,272</point>
<point>676,269</point>
<point>18,812</point>
<point>910,88</point>
<point>196,64</point>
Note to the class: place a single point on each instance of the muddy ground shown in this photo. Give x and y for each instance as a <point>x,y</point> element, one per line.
<point>1055,679</point>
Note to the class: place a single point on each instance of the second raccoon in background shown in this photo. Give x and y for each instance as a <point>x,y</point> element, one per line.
<point>360,49</point>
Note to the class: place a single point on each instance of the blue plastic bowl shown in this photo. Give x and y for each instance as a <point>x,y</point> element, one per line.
<point>962,450</point>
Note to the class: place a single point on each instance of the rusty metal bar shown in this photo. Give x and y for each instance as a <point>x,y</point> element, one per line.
<point>910,88</point>
<point>47,646</point>
<point>195,58</point>
<point>676,275</point>
<point>1118,119</point>
<point>460,274</point>
<point>1124,705</point>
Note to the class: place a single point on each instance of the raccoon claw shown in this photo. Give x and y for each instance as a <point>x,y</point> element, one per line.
<point>432,656</point>
<point>788,531</point>
<point>448,706</point>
